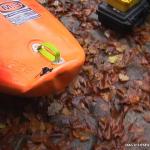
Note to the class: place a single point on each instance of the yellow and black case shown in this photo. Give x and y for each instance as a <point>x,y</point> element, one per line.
<point>123,21</point>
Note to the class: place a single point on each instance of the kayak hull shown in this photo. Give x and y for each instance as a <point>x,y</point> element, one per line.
<point>49,83</point>
<point>20,65</point>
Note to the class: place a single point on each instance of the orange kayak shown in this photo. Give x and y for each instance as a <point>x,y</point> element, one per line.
<point>38,55</point>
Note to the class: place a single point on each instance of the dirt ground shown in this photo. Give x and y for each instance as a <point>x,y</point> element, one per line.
<point>106,107</point>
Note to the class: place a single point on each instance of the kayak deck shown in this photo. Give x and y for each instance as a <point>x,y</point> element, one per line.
<point>20,65</point>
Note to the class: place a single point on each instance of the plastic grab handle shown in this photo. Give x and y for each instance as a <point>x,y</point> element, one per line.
<point>49,51</point>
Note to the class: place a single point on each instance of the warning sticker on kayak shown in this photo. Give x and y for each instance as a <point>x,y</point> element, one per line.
<point>16,12</point>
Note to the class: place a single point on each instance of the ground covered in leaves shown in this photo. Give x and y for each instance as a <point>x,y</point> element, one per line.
<point>106,106</point>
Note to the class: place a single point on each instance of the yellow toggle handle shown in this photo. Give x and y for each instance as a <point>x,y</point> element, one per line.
<point>49,51</point>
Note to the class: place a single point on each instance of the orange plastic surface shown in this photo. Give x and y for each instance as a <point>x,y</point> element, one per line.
<point>20,66</point>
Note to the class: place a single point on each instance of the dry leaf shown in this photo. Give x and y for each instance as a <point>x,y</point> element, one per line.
<point>135,128</point>
<point>134,99</point>
<point>2,126</point>
<point>66,111</point>
<point>114,59</point>
<point>147,117</point>
<point>83,136</point>
<point>123,77</point>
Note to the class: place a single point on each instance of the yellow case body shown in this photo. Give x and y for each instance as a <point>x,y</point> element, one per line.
<point>122,5</point>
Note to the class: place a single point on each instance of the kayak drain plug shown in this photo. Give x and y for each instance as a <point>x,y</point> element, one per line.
<point>45,70</point>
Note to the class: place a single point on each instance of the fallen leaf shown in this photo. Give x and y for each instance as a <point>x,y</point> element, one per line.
<point>114,59</point>
<point>83,136</point>
<point>107,33</point>
<point>56,3</point>
<point>54,108</point>
<point>135,128</point>
<point>123,77</point>
<point>121,48</point>
<point>66,111</point>
<point>134,99</point>
<point>147,117</point>
<point>2,126</point>
<point>107,96</point>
